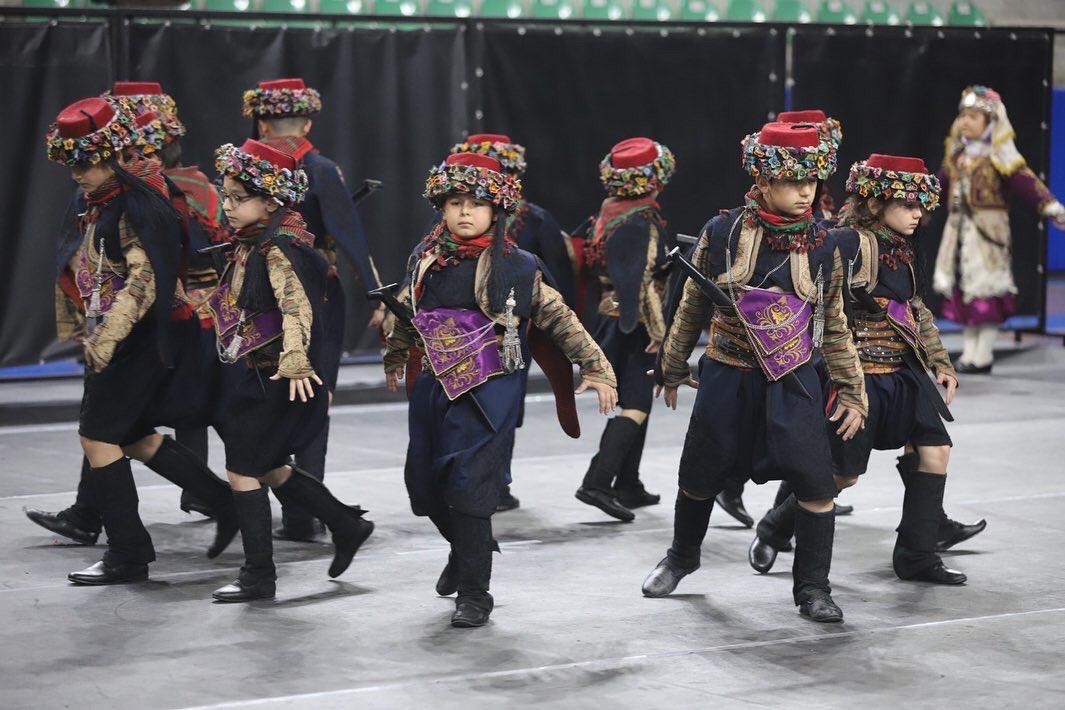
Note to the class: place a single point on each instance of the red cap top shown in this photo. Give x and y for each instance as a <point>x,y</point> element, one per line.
<point>283,84</point>
<point>265,152</point>
<point>84,117</point>
<point>896,162</point>
<point>136,88</point>
<point>632,152</point>
<point>488,138</point>
<point>475,160</point>
<point>788,135</point>
<point>145,118</point>
<point>810,116</point>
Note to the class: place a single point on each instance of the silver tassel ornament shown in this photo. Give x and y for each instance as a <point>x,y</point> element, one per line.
<point>93,311</point>
<point>231,353</point>
<point>819,311</point>
<point>512,358</point>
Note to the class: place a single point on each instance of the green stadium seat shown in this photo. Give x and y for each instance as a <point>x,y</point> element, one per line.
<point>343,7</point>
<point>745,11</point>
<point>555,9</point>
<point>502,8</point>
<point>449,8</point>
<point>54,4</point>
<point>837,12</point>
<point>791,11</point>
<point>611,10</point>
<point>966,14</point>
<point>879,12</point>
<point>285,6</point>
<point>658,10</point>
<point>923,13</point>
<point>698,11</point>
<point>406,8</point>
<point>227,5</point>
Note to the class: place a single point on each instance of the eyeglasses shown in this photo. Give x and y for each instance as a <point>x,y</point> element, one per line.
<point>237,200</point>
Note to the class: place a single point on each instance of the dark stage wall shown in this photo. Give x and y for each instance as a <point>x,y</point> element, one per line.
<point>396,99</point>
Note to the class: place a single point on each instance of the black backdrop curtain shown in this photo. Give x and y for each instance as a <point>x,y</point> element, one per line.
<point>902,96</point>
<point>395,99</point>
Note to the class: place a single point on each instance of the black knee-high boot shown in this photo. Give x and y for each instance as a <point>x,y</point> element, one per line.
<point>597,488</point>
<point>628,487</point>
<point>730,500</point>
<point>691,518</point>
<point>188,471</point>
<point>814,536</point>
<point>258,575</point>
<point>783,491</point>
<point>346,523</point>
<point>951,532</point>
<point>296,523</point>
<point>448,582</point>
<point>80,522</point>
<point>774,533</point>
<point>472,544</point>
<point>129,546</point>
<point>915,555</point>
<point>195,440</point>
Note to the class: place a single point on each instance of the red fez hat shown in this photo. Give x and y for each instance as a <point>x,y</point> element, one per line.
<point>488,138</point>
<point>145,118</point>
<point>136,88</point>
<point>811,116</point>
<point>633,152</point>
<point>897,163</point>
<point>83,117</point>
<point>475,160</point>
<point>261,150</point>
<point>788,135</point>
<point>275,84</point>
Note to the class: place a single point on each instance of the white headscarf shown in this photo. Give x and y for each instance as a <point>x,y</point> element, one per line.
<point>997,140</point>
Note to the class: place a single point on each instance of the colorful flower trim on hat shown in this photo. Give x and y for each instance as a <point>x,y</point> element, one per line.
<point>93,143</point>
<point>982,98</point>
<point>640,179</point>
<point>503,191</point>
<point>151,133</point>
<point>831,129</point>
<point>886,184</point>
<point>162,104</point>
<point>281,102</point>
<point>778,162</point>
<point>510,155</point>
<point>260,175</point>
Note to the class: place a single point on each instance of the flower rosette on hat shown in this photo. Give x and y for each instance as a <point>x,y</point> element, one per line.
<point>476,175</point>
<point>151,133</point>
<point>892,177</point>
<point>636,167</point>
<point>263,170</point>
<point>89,132</point>
<point>982,98</point>
<point>281,98</point>
<point>140,97</point>
<point>788,151</point>
<point>511,156</point>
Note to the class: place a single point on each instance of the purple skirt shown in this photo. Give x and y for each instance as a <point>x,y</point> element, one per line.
<point>979,311</point>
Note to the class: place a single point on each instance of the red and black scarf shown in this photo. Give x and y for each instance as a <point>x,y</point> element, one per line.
<point>894,248</point>
<point>448,249</point>
<point>612,213</point>
<point>783,233</point>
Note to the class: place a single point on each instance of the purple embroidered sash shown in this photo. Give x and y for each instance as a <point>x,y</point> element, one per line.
<point>258,330</point>
<point>461,347</point>
<point>85,279</point>
<point>790,343</point>
<point>900,315</point>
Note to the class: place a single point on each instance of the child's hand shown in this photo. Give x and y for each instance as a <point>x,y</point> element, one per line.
<point>608,396</point>
<point>853,421</point>
<point>949,384</point>
<point>299,385</point>
<point>671,394</point>
<point>392,380</point>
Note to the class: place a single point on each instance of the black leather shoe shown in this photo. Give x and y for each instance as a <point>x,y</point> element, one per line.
<point>967,368</point>
<point>448,583</point>
<point>312,532</point>
<point>347,546</point>
<point>820,607</point>
<point>734,507</point>
<point>664,578</point>
<point>844,509</point>
<point>636,496</point>
<point>938,574</point>
<point>60,525</point>
<point>761,556</point>
<point>103,573</point>
<point>226,528</point>
<point>469,616</point>
<point>238,591</point>
<point>606,503</point>
<point>507,501</point>
<point>951,533</point>
<point>192,505</point>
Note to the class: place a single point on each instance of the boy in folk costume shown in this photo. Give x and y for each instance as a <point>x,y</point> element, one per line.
<point>627,253</point>
<point>760,410</point>
<point>898,342</point>
<point>158,136</point>
<point>269,317</point>
<point>982,174</point>
<point>534,230</point>
<point>118,292</point>
<point>283,111</point>
<point>468,299</point>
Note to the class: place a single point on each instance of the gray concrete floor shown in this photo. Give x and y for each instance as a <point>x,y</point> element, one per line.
<point>570,627</point>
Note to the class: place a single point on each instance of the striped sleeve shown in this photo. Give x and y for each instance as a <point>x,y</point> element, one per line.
<point>692,317</point>
<point>841,357</point>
